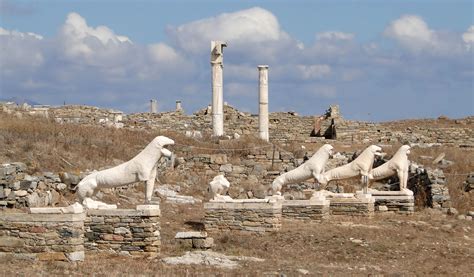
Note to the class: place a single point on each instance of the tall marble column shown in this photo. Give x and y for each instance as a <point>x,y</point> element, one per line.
<point>263,102</point>
<point>153,106</point>
<point>179,108</point>
<point>217,59</point>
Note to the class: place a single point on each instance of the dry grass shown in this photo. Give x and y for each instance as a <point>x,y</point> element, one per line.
<point>45,145</point>
<point>423,244</point>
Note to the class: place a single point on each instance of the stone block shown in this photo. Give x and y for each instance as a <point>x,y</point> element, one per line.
<point>75,256</point>
<point>203,243</point>
<point>190,235</point>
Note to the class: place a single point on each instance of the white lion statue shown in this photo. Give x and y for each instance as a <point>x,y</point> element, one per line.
<point>398,164</point>
<point>218,188</point>
<point>360,166</point>
<point>141,168</point>
<point>312,168</point>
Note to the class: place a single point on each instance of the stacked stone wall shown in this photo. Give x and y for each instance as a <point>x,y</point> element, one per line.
<point>42,236</point>
<point>305,209</point>
<point>284,127</point>
<point>19,189</point>
<point>250,215</point>
<point>352,206</point>
<point>124,231</point>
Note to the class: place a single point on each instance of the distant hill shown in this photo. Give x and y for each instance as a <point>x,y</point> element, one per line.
<point>19,101</point>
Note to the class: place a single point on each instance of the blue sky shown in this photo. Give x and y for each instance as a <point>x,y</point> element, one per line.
<point>379,60</point>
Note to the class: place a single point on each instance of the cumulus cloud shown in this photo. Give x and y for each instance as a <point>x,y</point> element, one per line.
<point>414,34</point>
<point>160,52</point>
<point>249,26</point>
<point>80,40</point>
<point>20,50</point>
<point>96,65</point>
<point>334,35</point>
<point>468,37</point>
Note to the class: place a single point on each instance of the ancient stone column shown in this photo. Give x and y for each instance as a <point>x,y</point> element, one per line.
<point>217,59</point>
<point>153,106</point>
<point>263,102</point>
<point>178,106</point>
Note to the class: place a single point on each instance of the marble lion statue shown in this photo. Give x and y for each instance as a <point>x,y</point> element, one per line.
<point>360,166</point>
<point>398,164</point>
<point>141,168</point>
<point>312,168</point>
<point>218,187</point>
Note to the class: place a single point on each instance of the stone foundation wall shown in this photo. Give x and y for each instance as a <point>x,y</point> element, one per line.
<point>251,215</point>
<point>42,236</point>
<point>124,231</point>
<point>395,201</point>
<point>19,189</point>
<point>352,206</point>
<point>284,127</point>
<point>305,209</point>
<point>438,190</point>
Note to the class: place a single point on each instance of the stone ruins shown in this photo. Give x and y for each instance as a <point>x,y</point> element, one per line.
<point>277,180</point>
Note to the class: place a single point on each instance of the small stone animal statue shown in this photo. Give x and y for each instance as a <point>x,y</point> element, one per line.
<point>312,168</point>
<point>141,168</point>
<point>218,187</point>
<point>398,164</point>
<point>360,166</point>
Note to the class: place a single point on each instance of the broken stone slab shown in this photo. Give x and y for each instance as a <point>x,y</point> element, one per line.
<point>209,258</point>
<point>183,199</point>
<point>75,208</point>
<point>89,203</point>
<point>190,235</point>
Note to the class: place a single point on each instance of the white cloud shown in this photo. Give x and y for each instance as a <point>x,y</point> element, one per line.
<point>81,40</point>
<point>14,33</point>
<point>97,66</point>
<point>314,71</point>
<point>249,26</point>
<point>468,37</point>
<point>334,35</point>
<point>160,52</point>
<point>411,31</point>
<point>20,49</point>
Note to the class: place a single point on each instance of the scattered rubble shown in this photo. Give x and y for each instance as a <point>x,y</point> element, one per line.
<point>209,258</point>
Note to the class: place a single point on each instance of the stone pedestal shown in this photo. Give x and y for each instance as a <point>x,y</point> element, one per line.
<point>402,202</point>
<point>316,208</point>
<point>50,235</point>
<point>250,215</point>
<point>356,205</point>
<point>124,231</point>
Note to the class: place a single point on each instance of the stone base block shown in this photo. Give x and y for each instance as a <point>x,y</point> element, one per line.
<point>133,231</point>
<point>402,202</point>
<point>312,209</point>
<point>250,215</point>
<point>54,236</point>
<point>358,205</point>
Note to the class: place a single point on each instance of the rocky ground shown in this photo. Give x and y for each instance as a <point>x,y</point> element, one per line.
<point>427,243</point>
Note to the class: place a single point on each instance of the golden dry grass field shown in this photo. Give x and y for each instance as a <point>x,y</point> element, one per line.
<point>427,243</point>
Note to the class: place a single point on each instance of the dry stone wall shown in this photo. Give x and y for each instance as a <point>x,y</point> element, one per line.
<point>124,231</point>
<point>19,189</point>
<point>305,209</point>
<point>284,127</point>
<point>42,236</point>
<point>248,215</point>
